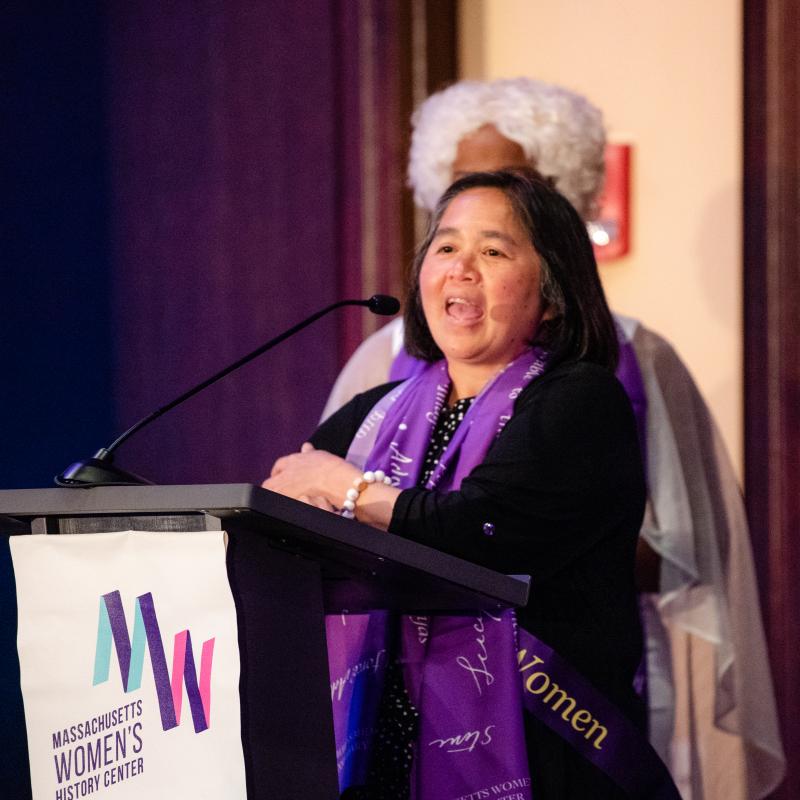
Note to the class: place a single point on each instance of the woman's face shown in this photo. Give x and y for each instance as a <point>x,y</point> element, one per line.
<point>486,150</point>
<point>480,282</point>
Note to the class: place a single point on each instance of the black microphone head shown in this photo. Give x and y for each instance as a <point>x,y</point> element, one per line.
<point>383,304</point>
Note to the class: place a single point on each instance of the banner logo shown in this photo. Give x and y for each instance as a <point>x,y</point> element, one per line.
<point>112,627</point>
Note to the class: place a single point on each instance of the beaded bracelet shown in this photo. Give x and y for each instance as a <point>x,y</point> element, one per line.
<point>359,484</point>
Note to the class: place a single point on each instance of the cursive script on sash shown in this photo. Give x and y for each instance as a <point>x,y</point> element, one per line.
<point>421,624</point>
<point>442,390</point>
<point>374,418</point>
<point>371,663</point>
<point>398,460</point>
<point>464,742</point>
<point>478,668</point>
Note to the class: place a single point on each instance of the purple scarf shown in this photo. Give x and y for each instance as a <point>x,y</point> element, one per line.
<point>462,672</point>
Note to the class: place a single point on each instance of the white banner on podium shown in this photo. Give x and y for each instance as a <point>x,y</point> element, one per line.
<point>129,666</point>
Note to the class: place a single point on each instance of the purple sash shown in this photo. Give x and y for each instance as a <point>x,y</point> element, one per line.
<point>630,376</point>
<point>358,646</point>
<point>405,366</point>
<point>462,672</point>
<point>560,697</point>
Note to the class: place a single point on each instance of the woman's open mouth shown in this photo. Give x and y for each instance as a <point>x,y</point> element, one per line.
<point>462,310</point>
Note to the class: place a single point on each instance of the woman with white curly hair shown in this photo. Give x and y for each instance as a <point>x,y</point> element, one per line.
<point>518,122</point>
<point>694,563</point>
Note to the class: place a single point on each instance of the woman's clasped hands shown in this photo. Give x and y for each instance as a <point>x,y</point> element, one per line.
<point>312,476</point>
<point>322,479</point>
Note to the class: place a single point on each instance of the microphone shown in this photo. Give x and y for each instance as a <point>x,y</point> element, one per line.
<point>100,469</point>
<point>383,304</point>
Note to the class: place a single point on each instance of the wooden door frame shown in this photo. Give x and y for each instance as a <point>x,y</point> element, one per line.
<point>772,339</point>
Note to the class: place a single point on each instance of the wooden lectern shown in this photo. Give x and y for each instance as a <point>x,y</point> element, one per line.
<point>288,564</point>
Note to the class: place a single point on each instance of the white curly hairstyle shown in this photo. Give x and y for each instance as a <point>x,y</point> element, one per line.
<point>560,132</point>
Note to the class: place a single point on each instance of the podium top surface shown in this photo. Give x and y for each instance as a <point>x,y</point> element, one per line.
<point>362,567</point>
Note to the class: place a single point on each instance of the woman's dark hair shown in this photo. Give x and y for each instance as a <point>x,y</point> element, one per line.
<point>579,324</point>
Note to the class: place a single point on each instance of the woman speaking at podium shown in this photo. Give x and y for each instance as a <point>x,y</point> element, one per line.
<point>515,449</point>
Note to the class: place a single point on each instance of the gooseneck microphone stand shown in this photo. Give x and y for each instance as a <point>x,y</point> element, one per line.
<point>100,469</point>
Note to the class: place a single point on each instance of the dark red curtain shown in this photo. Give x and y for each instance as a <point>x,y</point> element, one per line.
<point>231,127</point>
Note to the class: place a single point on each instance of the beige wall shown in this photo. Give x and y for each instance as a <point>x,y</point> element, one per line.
<point>668,78</point>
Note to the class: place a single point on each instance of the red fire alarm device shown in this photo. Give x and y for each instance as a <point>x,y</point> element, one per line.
<point>610,231</point>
